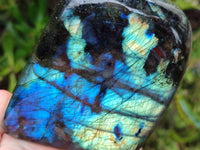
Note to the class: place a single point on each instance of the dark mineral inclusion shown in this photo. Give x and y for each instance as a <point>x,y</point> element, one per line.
<point>102,74</point>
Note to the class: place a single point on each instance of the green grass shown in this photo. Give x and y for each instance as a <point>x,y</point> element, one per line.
<point>187,4</point>
<point>21,23</point>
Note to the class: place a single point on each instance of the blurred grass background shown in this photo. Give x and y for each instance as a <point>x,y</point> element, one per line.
<point>21,23</point>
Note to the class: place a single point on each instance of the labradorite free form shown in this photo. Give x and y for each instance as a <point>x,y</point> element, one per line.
<point>102,74</point>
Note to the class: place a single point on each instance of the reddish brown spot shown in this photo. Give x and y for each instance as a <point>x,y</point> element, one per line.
<point>159,52</point>
<point>61,63</point>
<point>22,121</point>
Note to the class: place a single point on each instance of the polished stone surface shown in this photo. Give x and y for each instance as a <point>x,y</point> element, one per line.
<point>102,74</point>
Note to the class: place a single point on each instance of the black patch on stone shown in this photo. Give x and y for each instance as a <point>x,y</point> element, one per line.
<point>174,72</point>
<point>138,132</point>
<point>102,30</point>
<point>54,36</point>
<point>151,63</point>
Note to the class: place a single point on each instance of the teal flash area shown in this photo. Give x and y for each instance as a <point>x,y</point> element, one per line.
<point>101,76</point>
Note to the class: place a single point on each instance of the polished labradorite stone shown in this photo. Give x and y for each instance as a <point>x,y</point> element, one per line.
<point>102,74</point>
